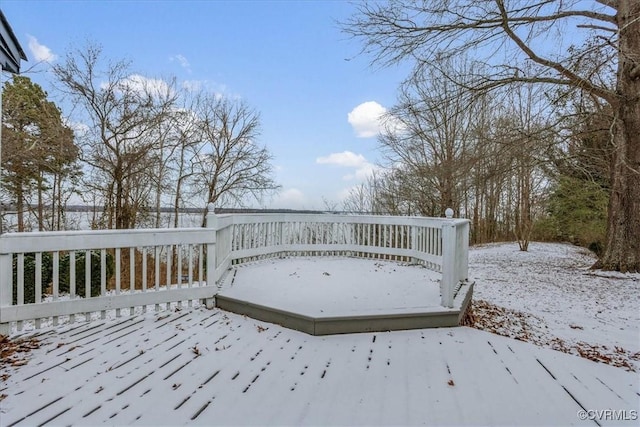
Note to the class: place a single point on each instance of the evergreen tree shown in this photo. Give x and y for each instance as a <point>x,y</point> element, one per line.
<point>38,149</point>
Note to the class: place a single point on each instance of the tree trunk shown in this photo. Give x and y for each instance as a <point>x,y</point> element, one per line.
<point>622,251</point>
<point>20,205</point>
<point>58,203</point>
<point>55,223</point>
<point>176,201</point>
<point>40,203</point>
<point>623,225</point>
<point>119,208</point>
<point>158,220</point>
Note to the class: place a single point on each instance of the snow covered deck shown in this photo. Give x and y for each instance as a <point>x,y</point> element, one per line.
<point>62,274</point>
<point>209,367</point>
<point>322,296</point>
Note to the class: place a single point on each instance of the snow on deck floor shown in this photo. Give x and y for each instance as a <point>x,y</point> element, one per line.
<point>336,286</point>
<point>208,367</point>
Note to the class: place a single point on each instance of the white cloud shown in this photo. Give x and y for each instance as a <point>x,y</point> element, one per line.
<point>363,168</point>
<point>182,60</point>
<point>366,119</point>
<point>139,83</point>
<point>217,89</point>
<point>346,159</point>
<point>291,198</point>
<point>365,171</point>
<point>39,51</point>
<point>192,85</point>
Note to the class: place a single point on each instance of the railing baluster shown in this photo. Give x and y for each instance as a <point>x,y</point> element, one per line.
<point>245,236</point>
<point>56,281</point>
<point>72,281</point>
<point>118,274</point>
<point>157,273</point>
<point>87,280</point>
<point>103,278</point>
<point>38,284</point>
<point>179,270</point>
<point>190,283</point>
<point>132,275</point>
<point>168,262</point>
<point>20,283</point>
<point>200,265</point>
<point>145,266</point>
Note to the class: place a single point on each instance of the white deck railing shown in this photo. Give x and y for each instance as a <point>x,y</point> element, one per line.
<point>440,244</point>
<point>140,263</point>
<point>139,268</point>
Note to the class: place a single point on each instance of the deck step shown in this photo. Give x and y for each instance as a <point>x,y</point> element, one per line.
<point>390,320</point>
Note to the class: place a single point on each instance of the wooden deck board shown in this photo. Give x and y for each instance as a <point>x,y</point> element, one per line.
<point>214,368</point>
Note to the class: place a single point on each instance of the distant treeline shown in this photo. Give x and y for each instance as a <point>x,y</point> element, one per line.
<point>10,209</point>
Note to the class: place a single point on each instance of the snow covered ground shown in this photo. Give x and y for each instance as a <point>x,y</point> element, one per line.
<point>550,297</point>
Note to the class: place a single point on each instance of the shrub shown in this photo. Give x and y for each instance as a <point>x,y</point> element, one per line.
<point>577,212</point>
<point>64,276</point>
<point>65,268</point>
<point>30,276</point>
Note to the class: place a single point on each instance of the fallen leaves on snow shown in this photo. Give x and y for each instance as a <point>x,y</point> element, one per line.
<point>14,353</point>
<point>196,351</point>
<point>530,328</point>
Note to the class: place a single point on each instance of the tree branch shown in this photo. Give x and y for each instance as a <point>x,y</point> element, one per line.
<point>574,78</point>
<point>597,27</point>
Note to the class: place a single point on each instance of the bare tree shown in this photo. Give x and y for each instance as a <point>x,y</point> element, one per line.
<point>188,138</point>
<point>430,132</point>
<point>230,165</point>
<point>366,197</point>
<point>508,34</point>
<point>532,137</point>
<point>123,110</point>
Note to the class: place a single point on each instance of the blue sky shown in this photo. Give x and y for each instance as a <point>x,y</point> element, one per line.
<point>317,98</point>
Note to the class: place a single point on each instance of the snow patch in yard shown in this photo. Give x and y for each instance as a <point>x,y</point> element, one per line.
<point>562,303</point>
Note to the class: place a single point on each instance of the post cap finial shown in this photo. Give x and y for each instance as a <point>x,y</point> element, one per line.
<point>448,213</point>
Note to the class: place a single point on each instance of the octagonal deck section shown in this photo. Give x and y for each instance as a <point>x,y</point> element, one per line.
<point>324,296</point>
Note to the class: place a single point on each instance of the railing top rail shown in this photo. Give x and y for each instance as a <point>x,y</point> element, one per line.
<point>252,218</point>
<point>43,241</point>
<point>456,221</point>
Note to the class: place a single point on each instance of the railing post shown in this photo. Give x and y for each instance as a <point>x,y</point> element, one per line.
<point>448,282</point>
<point>464,255</point>
<point>449,255</point>
<point>212,224</point>
<point>6,288</point>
